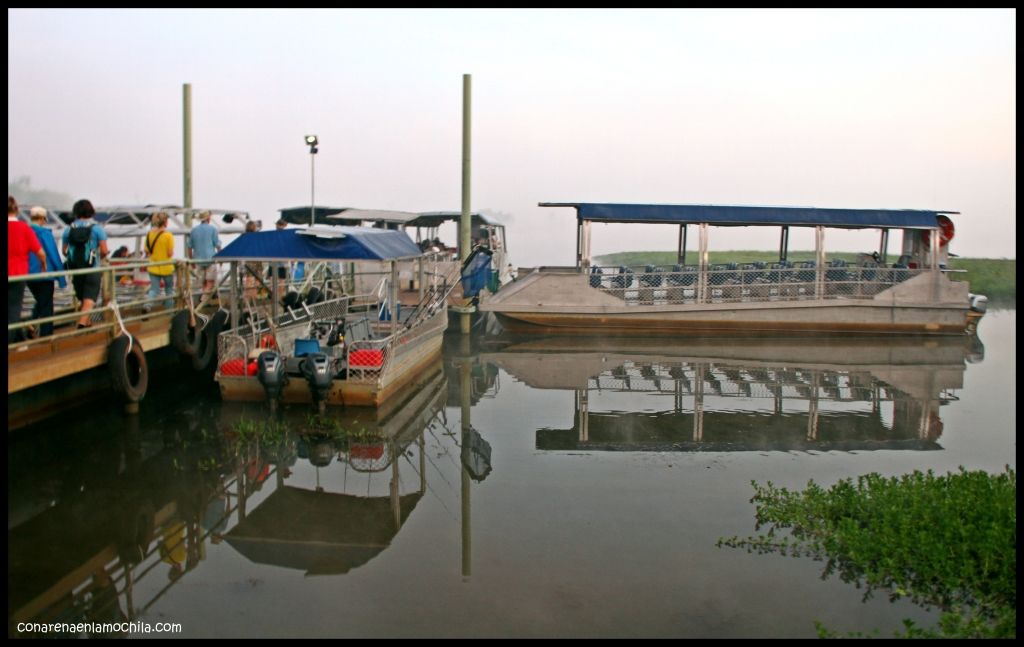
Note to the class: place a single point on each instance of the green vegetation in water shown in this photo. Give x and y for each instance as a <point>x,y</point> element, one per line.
<point>996,278</point>
<point>941,541</point>
<point>266,432</point>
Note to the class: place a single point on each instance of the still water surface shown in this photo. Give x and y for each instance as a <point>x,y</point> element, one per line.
<point>536,487</point>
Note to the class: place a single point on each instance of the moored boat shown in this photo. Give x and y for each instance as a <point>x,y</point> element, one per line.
<point>333,347</point>
<point>912,295</point>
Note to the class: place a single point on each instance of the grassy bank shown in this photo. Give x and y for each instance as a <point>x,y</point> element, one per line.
<point>994,277</point>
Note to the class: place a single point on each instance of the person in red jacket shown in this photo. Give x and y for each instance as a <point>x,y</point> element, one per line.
<point>21,241</point>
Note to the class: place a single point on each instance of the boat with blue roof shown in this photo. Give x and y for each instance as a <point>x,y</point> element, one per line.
<point>912,294</point>
<point>330,347</point>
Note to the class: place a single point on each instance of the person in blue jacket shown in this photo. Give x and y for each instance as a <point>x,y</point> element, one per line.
<point>42,290</point>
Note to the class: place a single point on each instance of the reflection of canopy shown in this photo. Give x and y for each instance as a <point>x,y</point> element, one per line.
<point>319,532</point>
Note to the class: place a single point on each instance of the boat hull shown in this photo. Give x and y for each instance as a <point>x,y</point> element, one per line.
<point>563,302</point>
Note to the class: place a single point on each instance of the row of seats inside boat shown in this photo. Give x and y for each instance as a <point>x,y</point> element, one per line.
<point>747,273</point>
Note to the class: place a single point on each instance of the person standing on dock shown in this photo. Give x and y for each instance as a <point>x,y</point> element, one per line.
<point>160,247</point>
<point>203,243</point>
<point>87,286</point>
<point>21,241</point>
<point>42,290</point>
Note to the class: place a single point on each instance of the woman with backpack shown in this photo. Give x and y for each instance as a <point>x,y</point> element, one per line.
<point>84,244</point>
<point>160,247</point>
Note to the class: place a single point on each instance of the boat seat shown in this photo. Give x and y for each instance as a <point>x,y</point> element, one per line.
<point>624,279</point>
<point>723,273</point>
<point>754,272</point>
<point>652,276</point>
<point>900,272</point>
<point>806,271</point>
<point>837,270</point>
<point>595,277</point>
<point>683,275</point>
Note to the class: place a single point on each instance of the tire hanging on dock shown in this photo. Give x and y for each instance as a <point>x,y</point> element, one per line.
<point>128,369</point>
<point>185,338</point>
<point>207,349</point>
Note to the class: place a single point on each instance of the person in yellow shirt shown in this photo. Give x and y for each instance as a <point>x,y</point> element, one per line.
<point>160,247</point>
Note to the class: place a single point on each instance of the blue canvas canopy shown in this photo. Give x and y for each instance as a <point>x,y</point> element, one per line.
<point>682,214</point>
<point>331,244</point>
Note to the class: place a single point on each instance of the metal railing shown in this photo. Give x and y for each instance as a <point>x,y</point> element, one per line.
<point>733,282</point>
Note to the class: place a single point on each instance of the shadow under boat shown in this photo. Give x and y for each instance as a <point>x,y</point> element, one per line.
<point>842,394</point>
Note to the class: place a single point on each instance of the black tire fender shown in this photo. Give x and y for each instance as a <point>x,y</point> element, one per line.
<point>128,369</point>
<point>207,349</point>
<point>185,338</point>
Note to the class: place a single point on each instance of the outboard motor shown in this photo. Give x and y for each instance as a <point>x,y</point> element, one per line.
<point>979,302</point>
<point>271,374</point>
<point>316,368</point>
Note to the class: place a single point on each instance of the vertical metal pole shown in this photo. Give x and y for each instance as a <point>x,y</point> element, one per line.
<point>234,301</point>
<point>312,186</point>
<point>934,260</point>
<point>465,228</point>
<point>187,145</point>
<point>681,253</point>
<point>884,246</point>
<point>393,297</point>
<point>702,276</point>
<point>784,243</point>
<point>819,262</point>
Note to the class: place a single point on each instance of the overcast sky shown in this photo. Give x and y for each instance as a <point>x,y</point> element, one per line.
<point>849,109</point>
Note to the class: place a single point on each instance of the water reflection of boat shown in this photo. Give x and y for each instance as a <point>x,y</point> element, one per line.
<point>322,532</point>
<point>835,394</point>
<point>115,510</point>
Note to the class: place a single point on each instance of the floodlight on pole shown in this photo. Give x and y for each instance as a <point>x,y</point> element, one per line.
<point>312,141</point>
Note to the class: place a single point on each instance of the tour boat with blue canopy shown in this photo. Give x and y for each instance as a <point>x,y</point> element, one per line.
<point>912,295</point>
<point>329,346</point>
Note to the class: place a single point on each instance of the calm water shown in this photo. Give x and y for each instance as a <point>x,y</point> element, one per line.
<point>599,478</point>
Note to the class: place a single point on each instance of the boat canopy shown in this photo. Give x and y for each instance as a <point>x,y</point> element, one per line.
<point>682,214</point>
<point>321,243</point>
<point>437,218</point>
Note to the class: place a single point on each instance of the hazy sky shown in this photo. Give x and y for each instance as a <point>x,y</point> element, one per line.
<point>884,109</point>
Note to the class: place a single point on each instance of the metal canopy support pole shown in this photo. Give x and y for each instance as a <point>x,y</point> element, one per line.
<point>934,260</point>
<point>681,253</point>
<point>419,276</point>
<point>579,243</point>
<point>702,280</point>
<point>819,262</point>
<point>883,247</point>
<point>585,246</point>
<point>393,297</point>
<point>234,295</point>
<point>784,243</point>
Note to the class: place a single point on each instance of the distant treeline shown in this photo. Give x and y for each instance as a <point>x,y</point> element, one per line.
<point>996,278</point>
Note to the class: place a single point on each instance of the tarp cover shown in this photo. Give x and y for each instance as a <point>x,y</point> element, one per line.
<point>738,216</point>
<point>358,243</point>
<point>476,271</point>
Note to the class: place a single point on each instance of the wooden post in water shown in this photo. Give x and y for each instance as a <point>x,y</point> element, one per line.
<point>465,228</point>
<point>187,147</point>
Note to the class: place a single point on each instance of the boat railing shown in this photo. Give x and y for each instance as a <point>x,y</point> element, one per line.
<point>742,282</point>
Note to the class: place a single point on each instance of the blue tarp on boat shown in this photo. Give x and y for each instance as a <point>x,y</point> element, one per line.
<point>476,271</point>
<point>682,214</point>
<point>335,244</point>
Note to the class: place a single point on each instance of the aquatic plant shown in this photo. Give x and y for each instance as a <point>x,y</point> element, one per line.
<point>941,541</point>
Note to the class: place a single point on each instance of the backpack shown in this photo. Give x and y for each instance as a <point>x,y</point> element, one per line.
<point>80,254</point>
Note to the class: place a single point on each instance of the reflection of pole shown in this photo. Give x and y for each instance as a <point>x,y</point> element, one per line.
<point>583,407</point>
<point>396,508</point>
<point>464,387</point>
<point>423,463</point>
<point>698,402</point>
<point>812,414</point>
